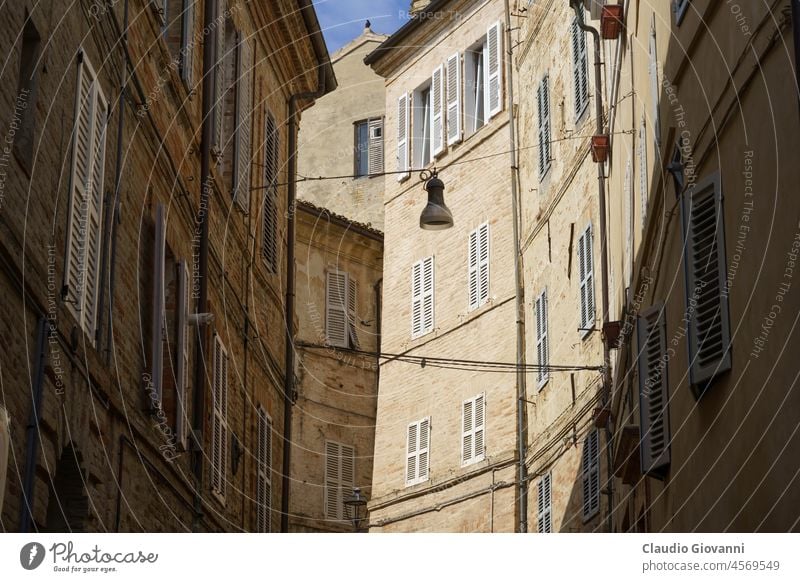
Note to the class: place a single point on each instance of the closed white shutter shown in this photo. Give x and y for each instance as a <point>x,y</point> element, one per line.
<point>590,471</point>
<point>580,72</point>
<point>653,391</point>
<point>86,198</point>
<point>707,299</point>
<point>473,429</point>
<point>269,236</point>
<point>542,342</point>
<point>478,266</point>
<point>586,272</point>
<point>375,147</point>
<point>472,272</point>
<point>454,99</point>
<point>422,297</point>
<point>339,478</point>
<point>219,427</point>
<point>427,295</point>
<point>183,353</point>
<point>187,41</point>
<point>655,86</point>
<point>264,472</point>
<point>352,311</point>
<point>244,100</point>
<point>494,61</point>
<point>437,110</point>
<point>403,153</point>
<point>644,177</point>
<point>219,76</point>
<point>545,498</point>
<point>336,308</point>
<point>157,334</point>
<point>543,102</point>
<point>417,451</point>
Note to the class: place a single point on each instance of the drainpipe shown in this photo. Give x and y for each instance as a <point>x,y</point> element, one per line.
<point>288,381</point>
<point>210,109</point>
<point>522,433</point>
<point>601,188</point>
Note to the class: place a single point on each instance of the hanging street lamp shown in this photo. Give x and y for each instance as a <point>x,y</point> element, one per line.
<point>436,215</point>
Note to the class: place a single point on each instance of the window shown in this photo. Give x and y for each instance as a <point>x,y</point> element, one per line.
<point>417,451</point>
<point>545,495</point>
<point>264,473</point>
<point>543,102</point>
<point>27,91</point>
<point>478,275</point>
<point>244,100</point>
<point>542,341</point>
<point>653,391</point>
<point>341,296</point>
<point>403,151</point>
<point>369,147</point>
<point>586,273</point>
<point>590,471</point>
<point>219,426</point>
<point>339,479</point>
<point>644,178</point>
<point>705,267</point>
<point>473,430</point>
<point>86,198</point>
<point>185,56</point>
<point>580,69</point>
<point>679,8</point>
<point>422,297</point>
<point>269,235</point>
<point>483,79</point>
<point>655,90</point>
<point>421,126</point>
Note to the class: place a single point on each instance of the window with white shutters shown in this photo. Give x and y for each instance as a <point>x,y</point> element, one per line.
<point>580,69</point>
<point>543,102</point>
<point>158,304</point>
<point>264,472</point>
<point>417,451</point>
<point>422,297</point>
<point>680,7</point>
<point>437,111</point>
<point>653,391</point>
<point>706,271</point>
<point>545,497</point>
<point>84,230</point>
<point>453,72</point>
<point>542,341</point>
<point>473,430</point>
<point>269,235</point>
<point>182,353</point>
<point>590,474</point>
<point>586,273</point>
<point>339,479</point>
<point>494,73</point>
<point>644,177</point>
<point>655,87</point>
<point>244,101</point>
<point>478,272</point>
<point>403,153</point>
<point>186,61</point>
<point>341,306</point>
<point>219,424</point>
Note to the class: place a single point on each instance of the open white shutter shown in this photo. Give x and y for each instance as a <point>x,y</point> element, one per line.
<point>264,472</point>
<point>494,88</point>
<point>437,110</point>
<point>219,427</point>
<point>653,391</point>
<point>157,346</point>
<point>543,102</point>
<point>483,263</point>
<point>586,272</point>
<point>454,99</point>
<point>627,194</point>
<point>403,153</point>
<point>542,347</point>
<point>590,470</point>
<point>545,501</point>
<point>352,311</point>
<point>336,307</point>
<point>579,69</point>
<point>644,177</point>
<point>269,235</point>
<point>655,86</point>
<point>187,41</point>
<point>375,147</point>
<point>183,353</point>
<point>219,76</point>
<point>424,449</point>
<point>705,265</point>
<point>244,100</point>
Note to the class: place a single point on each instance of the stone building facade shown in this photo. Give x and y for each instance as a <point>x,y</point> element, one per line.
<point>103,199</point>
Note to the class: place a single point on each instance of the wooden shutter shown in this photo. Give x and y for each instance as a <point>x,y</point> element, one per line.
<point>269,235</point>
<point>187,41</point>
<point>403,152</point>
<point>494,89</point>
<point>375,147</point>
<point>352,311</point>
<point>653,391</point>
<point>473,429</point>
<point>219,427</point>
<point>579,69</point>
<point>339,478</point>
<point>244,100</point>
<point>422,297</point>
<point>336,307</point>
<point>545,498</point>
<point>590,470</point>
<point>543,99</point>
<point>586,272</point>
<point>157,333</point>
<point>219,75</point>
<point>183,352</point>
<point>542,342</point>
<point>705,265</point>
<point>655,87</point>
<point>643,174</point>
<point>478,271</point>
<point>454,99</point>
<point>417,451</point>
<point>437,110</point>
<point>264,472</point>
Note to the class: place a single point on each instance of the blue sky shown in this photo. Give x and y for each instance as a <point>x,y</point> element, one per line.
<point>343,20</point>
